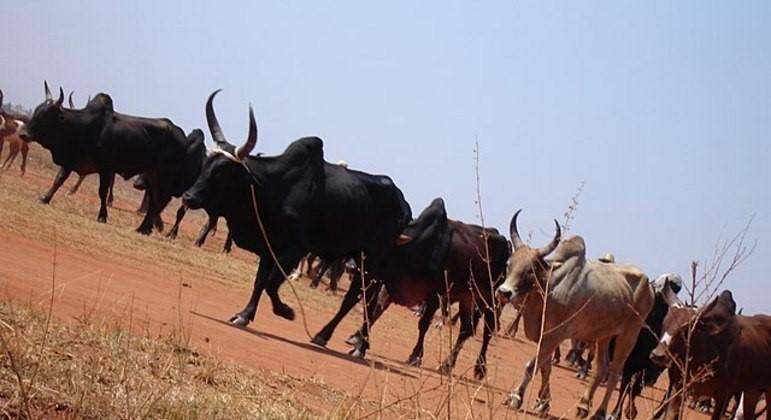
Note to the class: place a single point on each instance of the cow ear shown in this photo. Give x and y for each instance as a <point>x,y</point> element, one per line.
<point>403,239</point>
<point>726,299</point>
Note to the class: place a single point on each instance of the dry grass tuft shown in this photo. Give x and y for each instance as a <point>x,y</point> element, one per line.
<point>83,371</point>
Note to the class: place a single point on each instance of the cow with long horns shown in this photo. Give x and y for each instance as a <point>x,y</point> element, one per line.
<point>282,207</point>
<point>112,143</point>
<point>585,300</point>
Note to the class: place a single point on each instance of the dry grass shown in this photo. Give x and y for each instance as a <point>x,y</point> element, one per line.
<point>84,371</point>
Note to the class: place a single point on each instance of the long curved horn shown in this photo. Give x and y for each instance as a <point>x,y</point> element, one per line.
<point>1,99</point>
<point>214,125</point>
<point>548,249</point>
<point>60,101</point>
<point>72,104</point>
<point>251,139</point>
<point>513,233</point>
<point>48,91</point>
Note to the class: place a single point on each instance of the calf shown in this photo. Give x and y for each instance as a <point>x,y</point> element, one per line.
<point>727,354</point>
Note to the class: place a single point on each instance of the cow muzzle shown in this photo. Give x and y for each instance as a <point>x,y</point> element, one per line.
<point>505,294</point>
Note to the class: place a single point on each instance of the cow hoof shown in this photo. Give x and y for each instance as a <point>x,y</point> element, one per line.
<point>599,415</point>
<point>354,339</point>
<point>314,285</point>
<point>358,353</point>
<point>320,340</point>
<point>101,219</point>
<point>239,321</point>
<point>541,407</point>
<point>582,412</point>
<point>513,401</point>
<point>480,371</point>
<point>284,311</point>
<point>44,200</point>
<point>414,361</point>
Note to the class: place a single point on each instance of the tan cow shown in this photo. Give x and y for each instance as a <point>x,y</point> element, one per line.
<point>9,128</point>
<point>587,300</point>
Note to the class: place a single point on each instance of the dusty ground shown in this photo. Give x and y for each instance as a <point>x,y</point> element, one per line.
<point>109,274</point>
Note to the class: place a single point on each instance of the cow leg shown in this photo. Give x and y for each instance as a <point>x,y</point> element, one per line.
<point>11,155</point>
<point>583,371</point>
<point>749,401</point>
<point>432,304</point>
<point>157,202</point>
<point>324,266</point>
<point>145,205</point>
<point>175,229</point>
<point>243,318</point>
<point>623,346</point>
<point>375,310</point>
<point>110,197</point>
<point>624,389</point>
<point>335,273</point>
<point>721,402</point>
<point>105,180</point>
<point>349,301</point>
<point>205,229</point>
<point>586,400</point>
<point>480,368</point>
<point>511,331</point>
<point>514,399</point>
<point>228,243</point>
<point>376,300</point>
<point>469,317</point>
<point>75,187</point>
<point>24,153</point>
<point>288,260</point>
<point>61,176</point>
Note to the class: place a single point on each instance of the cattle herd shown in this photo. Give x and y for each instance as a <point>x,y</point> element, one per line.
<point>285,207</point>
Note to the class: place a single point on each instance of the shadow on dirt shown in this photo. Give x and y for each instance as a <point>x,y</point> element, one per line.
<point>312,347</point>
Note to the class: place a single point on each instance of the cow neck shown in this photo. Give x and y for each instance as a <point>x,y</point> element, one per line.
<point>532,308</point>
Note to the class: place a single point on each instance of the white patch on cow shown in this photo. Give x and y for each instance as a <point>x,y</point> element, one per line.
<point>19,126</point>
<point>666,339</point>
<point>218,151</point>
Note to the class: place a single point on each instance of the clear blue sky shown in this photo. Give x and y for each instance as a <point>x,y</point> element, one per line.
<point>662,108</point>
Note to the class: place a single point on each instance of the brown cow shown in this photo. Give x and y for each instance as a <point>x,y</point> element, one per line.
<point>728,354</point>
<point>9,128</point>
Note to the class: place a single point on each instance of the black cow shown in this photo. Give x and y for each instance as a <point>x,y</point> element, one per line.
<point>442,261</point>
<point>110,143</point>
<point>186,175</point>
<point>285,206</point>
